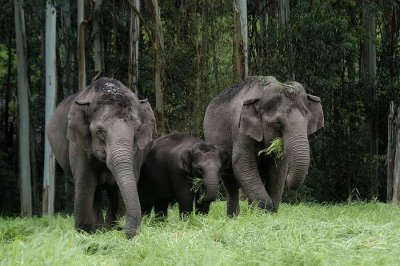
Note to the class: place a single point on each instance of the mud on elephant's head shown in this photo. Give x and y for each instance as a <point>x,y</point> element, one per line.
<point>204,163</point>
<point>283,110</point>
<point>111,124</point>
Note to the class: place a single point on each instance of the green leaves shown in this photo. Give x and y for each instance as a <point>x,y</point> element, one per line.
<point>275,149</point>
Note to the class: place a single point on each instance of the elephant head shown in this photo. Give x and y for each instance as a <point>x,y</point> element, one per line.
<point>205,161</point>
<point>283,110</point>
<point>112,126</point>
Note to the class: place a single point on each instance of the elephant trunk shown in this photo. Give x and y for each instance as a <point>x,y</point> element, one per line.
<point>297,153</point>
<point>210,181</point>
<point>120,162</point>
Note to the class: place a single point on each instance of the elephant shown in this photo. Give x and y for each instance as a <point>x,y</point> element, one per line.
<point>100,137</point>
<point>170,169</point>
<point>244,119</point>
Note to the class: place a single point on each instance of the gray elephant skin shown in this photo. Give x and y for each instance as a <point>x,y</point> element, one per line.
<point>169,170</point>
<point>99,137</point>
<point>244,119</point>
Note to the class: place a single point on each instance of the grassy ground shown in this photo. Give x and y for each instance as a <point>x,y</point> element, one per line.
<point>353,234</point>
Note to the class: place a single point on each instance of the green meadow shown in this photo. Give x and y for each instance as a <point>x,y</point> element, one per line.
<point>306,234</point>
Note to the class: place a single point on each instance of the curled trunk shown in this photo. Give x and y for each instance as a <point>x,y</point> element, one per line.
<point>210,186</point>
<point>120,162</point>
<point>297,153</point>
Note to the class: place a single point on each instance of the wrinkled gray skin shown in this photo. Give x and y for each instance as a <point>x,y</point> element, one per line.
<point>100,137</point>
<point>245,119</point>
<point>169,169</point>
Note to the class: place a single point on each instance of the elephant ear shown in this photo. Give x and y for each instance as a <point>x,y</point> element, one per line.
<point>148,129</point>
<point>186,161</point>
<point>78,122</point>
<point>317,115</point>
<point>250,119</point>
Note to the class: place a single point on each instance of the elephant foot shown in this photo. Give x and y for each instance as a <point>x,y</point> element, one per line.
<point>133,233</point>
<point>83,227</point>
<point>267,206</point>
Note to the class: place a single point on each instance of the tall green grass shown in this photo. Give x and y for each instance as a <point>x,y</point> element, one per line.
<point>351,234</point>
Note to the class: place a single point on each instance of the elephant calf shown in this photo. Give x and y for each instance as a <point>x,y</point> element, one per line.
<point>172,165</point>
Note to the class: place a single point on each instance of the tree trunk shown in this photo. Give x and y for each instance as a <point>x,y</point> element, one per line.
<point>396,171</point>
<point>284,9</point>
<point>238,70</point>
<point>81,45</point>
<point>67,79</point>
<point>23,110</point>
<point>134,34</point>
<point>391,151</point>
<point>368,49</point>
<point>393,170</point>
<point>368,75</point>
<point>242,5</point>
<point>51,95</point>
<point>98,47</point>
<point>159,78</point>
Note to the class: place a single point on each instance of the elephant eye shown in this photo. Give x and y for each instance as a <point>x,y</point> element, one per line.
<point>100,133</point>
<point>277,124</point>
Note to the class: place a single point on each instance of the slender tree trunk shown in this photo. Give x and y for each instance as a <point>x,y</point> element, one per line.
<point>23,110</point>
<point>391,151</point>
<point>215,60</point>
<point>242,5</point>
<point>159,68</point>
<point>98,47</point>
<point>134,34</point>
<point>51,95</point>
<point>238,69</point>
<point>368,75</point>
<point>81,45</point>
<point>284,10</point>
<point>396,169</point>
<point>67,79</point>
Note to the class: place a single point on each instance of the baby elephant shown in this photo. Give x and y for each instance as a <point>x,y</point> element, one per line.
<point>180,168</point>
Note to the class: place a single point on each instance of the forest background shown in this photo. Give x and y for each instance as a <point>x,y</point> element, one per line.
<point>179,54</point>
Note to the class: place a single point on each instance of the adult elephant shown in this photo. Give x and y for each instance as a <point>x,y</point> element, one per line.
<point>100,137</point>
<point>244,119</point>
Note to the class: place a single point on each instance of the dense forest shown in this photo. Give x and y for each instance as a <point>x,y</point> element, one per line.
<point>179,54</point>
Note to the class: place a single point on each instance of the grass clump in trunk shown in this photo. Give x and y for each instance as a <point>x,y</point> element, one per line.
<point>275,149</point>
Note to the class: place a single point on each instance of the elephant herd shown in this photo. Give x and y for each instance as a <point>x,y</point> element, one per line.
<point>106,139</point>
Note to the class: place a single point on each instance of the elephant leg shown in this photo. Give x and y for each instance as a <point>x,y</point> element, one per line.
<point>232,195</point>
<point>202,208</point>
<point>275,177</point>
<point>146,197</point>
<point>113,203</point>
<point>85,179</point>
<point>161,210</point>
<point>245,169</point>
<point>185,202</point>
<point>84,214</point>
<point>97,208</point>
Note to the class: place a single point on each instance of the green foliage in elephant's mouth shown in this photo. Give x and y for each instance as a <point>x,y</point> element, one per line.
<point>197,183</point>
<point>275,149</point>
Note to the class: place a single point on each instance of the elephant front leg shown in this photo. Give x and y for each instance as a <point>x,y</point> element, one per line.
<point>84,191</point>
<point>232,194</point>
<point>113,204</point>
<point>84,213</point>
<point>246,172</point>
<point>185,201</point>
<point>274,175</point>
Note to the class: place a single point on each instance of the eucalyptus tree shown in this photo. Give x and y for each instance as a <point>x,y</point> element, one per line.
<point>23,110</point>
